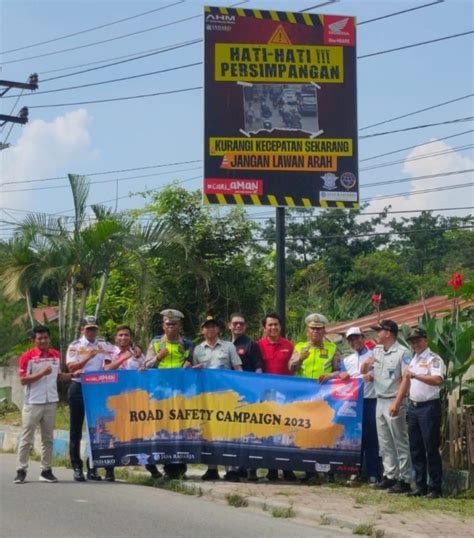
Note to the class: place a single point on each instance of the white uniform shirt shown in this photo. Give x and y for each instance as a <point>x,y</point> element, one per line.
<point>352,366</point>
<point>426,363</point>
<point>132,363</point>
<point>78,349</point>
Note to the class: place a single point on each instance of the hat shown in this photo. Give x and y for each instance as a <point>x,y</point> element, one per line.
<point>354,331</point>
<point>417,332</point>
<point>316,321</point>
<point>386,325</point>
<point>209,319</point>
<point>89,322</point>
<point>170,314</point>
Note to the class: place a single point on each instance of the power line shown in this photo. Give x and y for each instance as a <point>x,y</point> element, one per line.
<point>419,157</point>
<point>419,44</point>
<point>417,111</point>
<point>135,169</point>
<point>80,32</point>
<point>415,146</point>
<point>416,178</point>
<point>399,13</point>
<point>457,120</point>
<point>423,191</point>
<point>176,68</point>
<point>123,36</point>
<point>127,98</point>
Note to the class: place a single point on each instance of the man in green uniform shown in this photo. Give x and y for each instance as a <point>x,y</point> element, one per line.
<point>170,350</point>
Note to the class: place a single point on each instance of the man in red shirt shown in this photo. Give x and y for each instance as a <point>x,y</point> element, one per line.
<point>276,353</point>
<point>39,372</point>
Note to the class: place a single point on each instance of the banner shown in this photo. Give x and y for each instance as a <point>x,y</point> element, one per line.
<point>280,109</point>
<point>223,417</point>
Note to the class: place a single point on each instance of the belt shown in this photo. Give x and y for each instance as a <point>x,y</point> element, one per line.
<point>423,404</point>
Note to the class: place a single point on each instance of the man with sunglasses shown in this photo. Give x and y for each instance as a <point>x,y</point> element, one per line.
<point>169,350</point>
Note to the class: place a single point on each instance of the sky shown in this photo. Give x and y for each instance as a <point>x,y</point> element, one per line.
<point>155,131</point>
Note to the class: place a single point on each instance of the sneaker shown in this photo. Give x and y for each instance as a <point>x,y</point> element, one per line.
<point>433,495</point>
<point>92,475</point>
<point>354,481</point>
<point>110,475</point>
<point>78,475</point>
<point>385,483</point>
<point>20,477</point>
<point>47,476</point>
<point>289,476</point>
<point>400,487</point>
<point>210,474</point>
<point>232,476</point>
<point>373,481</point>
<point>417,493</point>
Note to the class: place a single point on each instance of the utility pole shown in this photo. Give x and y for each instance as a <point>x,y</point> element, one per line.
<point>22,116</point>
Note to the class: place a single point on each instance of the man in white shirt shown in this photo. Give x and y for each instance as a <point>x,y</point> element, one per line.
<point>351,365</point>
<point>423,378</point>
<point>87,354</point>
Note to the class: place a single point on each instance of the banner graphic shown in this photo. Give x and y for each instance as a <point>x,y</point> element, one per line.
<point>223,417</point>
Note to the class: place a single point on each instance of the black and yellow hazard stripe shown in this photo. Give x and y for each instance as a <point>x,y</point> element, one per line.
<point>309,19</point>
<point>272,200</point>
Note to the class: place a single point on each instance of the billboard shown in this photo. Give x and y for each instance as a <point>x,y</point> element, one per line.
<point>280,109</point>
<point>223,417</point>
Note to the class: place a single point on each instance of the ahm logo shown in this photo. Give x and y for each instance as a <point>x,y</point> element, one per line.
<point>228,19</point>
<point>338,27</point>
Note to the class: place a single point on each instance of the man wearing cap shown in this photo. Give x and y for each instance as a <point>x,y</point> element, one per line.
<point>170,350</point>
<point>87,354</point>
<point>215,353</point>
<point>314,358</point>
<point>388,361</point>
<point>276,353</point>
<point>352,366</point>
<point>423,378</point>
<point>252,361</point>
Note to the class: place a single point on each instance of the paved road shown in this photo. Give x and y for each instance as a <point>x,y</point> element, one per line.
<point>79,510</point>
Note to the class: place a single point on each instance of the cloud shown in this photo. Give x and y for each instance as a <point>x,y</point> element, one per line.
<point>45,149</point>
<point>438,164</point>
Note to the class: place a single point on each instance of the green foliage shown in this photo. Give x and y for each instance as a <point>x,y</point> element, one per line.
<point>285,512</point>
<point>236,500</point>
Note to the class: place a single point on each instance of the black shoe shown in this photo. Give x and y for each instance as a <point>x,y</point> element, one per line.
<point>47,476</point>
<point>385,483</point>
<point>92,475</point>
<point>400,487</point>
<point>272,475</point>
<point>330,478</point>
<point>433,495</point>
<point>289,476</point>
<point>153,470</point>
<point>252,475</point>
<point>110,475</point>
<point>232,476</point>
<point>78,475</point>
<point>211,474</point>
<point>20,477</point>
<point>242,472</point>
<point>417,493</point>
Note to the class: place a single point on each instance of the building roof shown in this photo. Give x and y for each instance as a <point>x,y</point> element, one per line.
<point>48,312</point>
<point>409,314</point>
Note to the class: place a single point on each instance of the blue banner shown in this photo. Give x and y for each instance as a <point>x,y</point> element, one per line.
<point>223,417</point>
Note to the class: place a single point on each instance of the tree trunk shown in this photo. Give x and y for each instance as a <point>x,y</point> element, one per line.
<point>29,308</point>
<point>103,288</point>
<point>72,310</point>
<point>62,328</point>
<point>82,307</point>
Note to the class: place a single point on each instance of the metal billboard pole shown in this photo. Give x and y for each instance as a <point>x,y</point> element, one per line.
<point>280,267</point>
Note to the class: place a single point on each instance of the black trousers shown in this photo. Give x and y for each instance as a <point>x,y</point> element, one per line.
<point>76,415</point>
<point>424,425</point>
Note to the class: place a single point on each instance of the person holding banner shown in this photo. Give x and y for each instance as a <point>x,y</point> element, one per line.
<point>276,353</point>
<point>388,362</point>
<point>314,359</point>
<point>169,350</point>
<point>87,354</point>
<point>217,354</point>
<point>252,361</point>
<point>370,446</point>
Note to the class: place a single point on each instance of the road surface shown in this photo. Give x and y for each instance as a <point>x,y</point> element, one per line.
<point>102,509</point>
